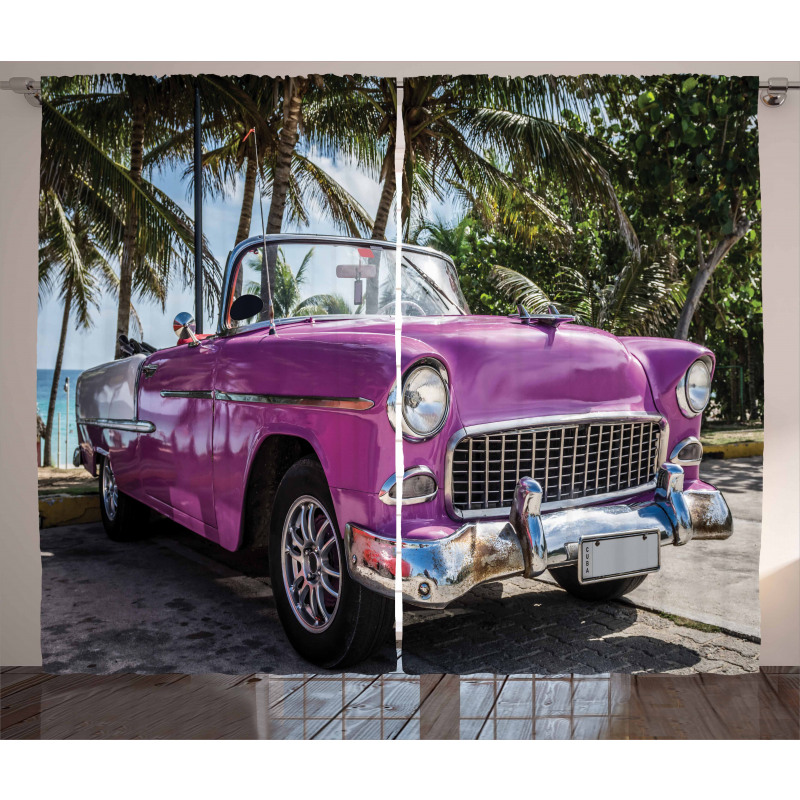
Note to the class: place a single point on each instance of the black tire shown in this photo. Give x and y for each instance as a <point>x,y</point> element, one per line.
<point>360,621</point>
<point>567,578</point>
<point>127,521</point>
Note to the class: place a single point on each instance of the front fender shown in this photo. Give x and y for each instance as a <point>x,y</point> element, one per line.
<point>665,361</point>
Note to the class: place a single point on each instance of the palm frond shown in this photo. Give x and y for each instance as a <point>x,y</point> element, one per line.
<point>517,288</point>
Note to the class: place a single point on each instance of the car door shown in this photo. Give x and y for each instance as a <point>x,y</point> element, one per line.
<point>176,459</point>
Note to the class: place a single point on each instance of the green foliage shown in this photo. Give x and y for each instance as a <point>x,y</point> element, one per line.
<point>611,196</point>
<point>682,154</point>
<point>86,127</point>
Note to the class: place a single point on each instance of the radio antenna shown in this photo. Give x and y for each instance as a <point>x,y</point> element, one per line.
<point>265,263</point>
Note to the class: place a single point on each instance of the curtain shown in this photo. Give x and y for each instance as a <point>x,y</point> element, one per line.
<point>544,290</point>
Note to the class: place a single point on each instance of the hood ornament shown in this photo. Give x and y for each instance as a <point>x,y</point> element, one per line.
<point>553,317</point>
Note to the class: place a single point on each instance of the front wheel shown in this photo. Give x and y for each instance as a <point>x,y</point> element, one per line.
<point>124,518</point>
<point>330,619</point>
<point>567,578</point>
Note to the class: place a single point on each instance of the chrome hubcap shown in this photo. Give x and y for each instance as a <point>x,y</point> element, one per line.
<point>110,494</point>
<point>311,564</point>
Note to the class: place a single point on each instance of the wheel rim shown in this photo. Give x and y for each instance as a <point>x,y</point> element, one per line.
<point>311,564</point>
<point>110,493</point>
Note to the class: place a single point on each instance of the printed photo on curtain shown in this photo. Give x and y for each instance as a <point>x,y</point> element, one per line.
<point>258,429</point>
<point>606,352</point>
<point>580,398</point>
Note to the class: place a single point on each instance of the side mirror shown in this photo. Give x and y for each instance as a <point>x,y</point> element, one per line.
<point>184,327</point>
<point>246,306</point>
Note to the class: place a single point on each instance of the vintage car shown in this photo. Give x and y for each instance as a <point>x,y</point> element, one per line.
<point>530,443</point>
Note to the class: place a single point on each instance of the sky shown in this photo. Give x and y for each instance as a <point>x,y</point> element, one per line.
<point>220,221</point>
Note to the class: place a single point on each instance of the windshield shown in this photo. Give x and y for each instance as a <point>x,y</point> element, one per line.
<point>317,278</point>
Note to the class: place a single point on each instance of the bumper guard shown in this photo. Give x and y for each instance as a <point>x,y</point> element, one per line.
<point>436,572</point>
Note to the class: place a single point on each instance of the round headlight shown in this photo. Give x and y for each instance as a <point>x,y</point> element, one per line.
<point>425,401</point>
<point>694,390</point>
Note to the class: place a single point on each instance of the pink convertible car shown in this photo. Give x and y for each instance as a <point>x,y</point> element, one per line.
<point>531,443</point>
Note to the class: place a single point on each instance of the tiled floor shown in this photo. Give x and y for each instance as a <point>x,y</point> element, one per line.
<point>36,705</point>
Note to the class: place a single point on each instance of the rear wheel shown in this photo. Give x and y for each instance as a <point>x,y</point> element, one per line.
<point>567,578</point>
<point>124,518</point>
<point>330,619</point>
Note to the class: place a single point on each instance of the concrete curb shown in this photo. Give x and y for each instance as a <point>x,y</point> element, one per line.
<point>68,509</point>
<point>734,450</point>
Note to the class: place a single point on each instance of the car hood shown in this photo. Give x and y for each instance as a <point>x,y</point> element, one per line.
<point>501,369</point>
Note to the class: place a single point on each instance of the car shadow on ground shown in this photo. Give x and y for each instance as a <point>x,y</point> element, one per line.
<point>734,476</point>
<point>170,603</point>
<point>540,631</point>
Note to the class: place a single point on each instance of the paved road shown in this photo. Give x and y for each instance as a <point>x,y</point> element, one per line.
<point>162,605</point>
<point>176,603</point>
<point>532,626</point>
<point>717,582</point>
<point>520,626</point>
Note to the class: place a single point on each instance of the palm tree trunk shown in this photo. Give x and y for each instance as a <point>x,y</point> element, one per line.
<point>51,408</point>
<point>246,215</point>
<point>372,294</point>
<point>387,195</point>
<point>129,239</point>
<point>287,141</point>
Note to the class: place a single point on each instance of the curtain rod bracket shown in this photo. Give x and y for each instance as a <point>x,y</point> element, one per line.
<point>775,90</point>
<point>28,87</point>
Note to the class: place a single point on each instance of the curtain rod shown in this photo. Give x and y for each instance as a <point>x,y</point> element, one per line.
<point>774,93</point>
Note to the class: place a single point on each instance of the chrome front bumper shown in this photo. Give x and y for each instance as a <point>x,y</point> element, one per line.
<point>436,572</point>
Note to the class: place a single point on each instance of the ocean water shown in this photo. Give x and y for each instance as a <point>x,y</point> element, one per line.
<point>69,432</point>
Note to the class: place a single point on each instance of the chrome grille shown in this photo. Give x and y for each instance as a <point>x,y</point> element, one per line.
<point>570,462</point>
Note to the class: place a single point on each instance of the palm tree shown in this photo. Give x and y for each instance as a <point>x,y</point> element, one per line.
<point>275,108</point>
<point>452,123</point>
<point>294,92</point>
<point>71,263</point>
<point>98,130</point>
<point>446,238</point>
<point>308,183</point>
<point>644,298</point>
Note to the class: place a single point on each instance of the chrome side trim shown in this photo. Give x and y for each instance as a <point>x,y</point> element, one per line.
<point>346,403</point>
<point>134,425</point>
<point>542,424</point>
<point>191,395</point>
<point>673,456</point>
<point>384,497</point>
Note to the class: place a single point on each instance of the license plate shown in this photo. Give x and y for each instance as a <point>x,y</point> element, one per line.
<point>618,555</point>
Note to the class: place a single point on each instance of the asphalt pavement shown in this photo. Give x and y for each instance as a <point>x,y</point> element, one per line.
<point>716,581</point>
